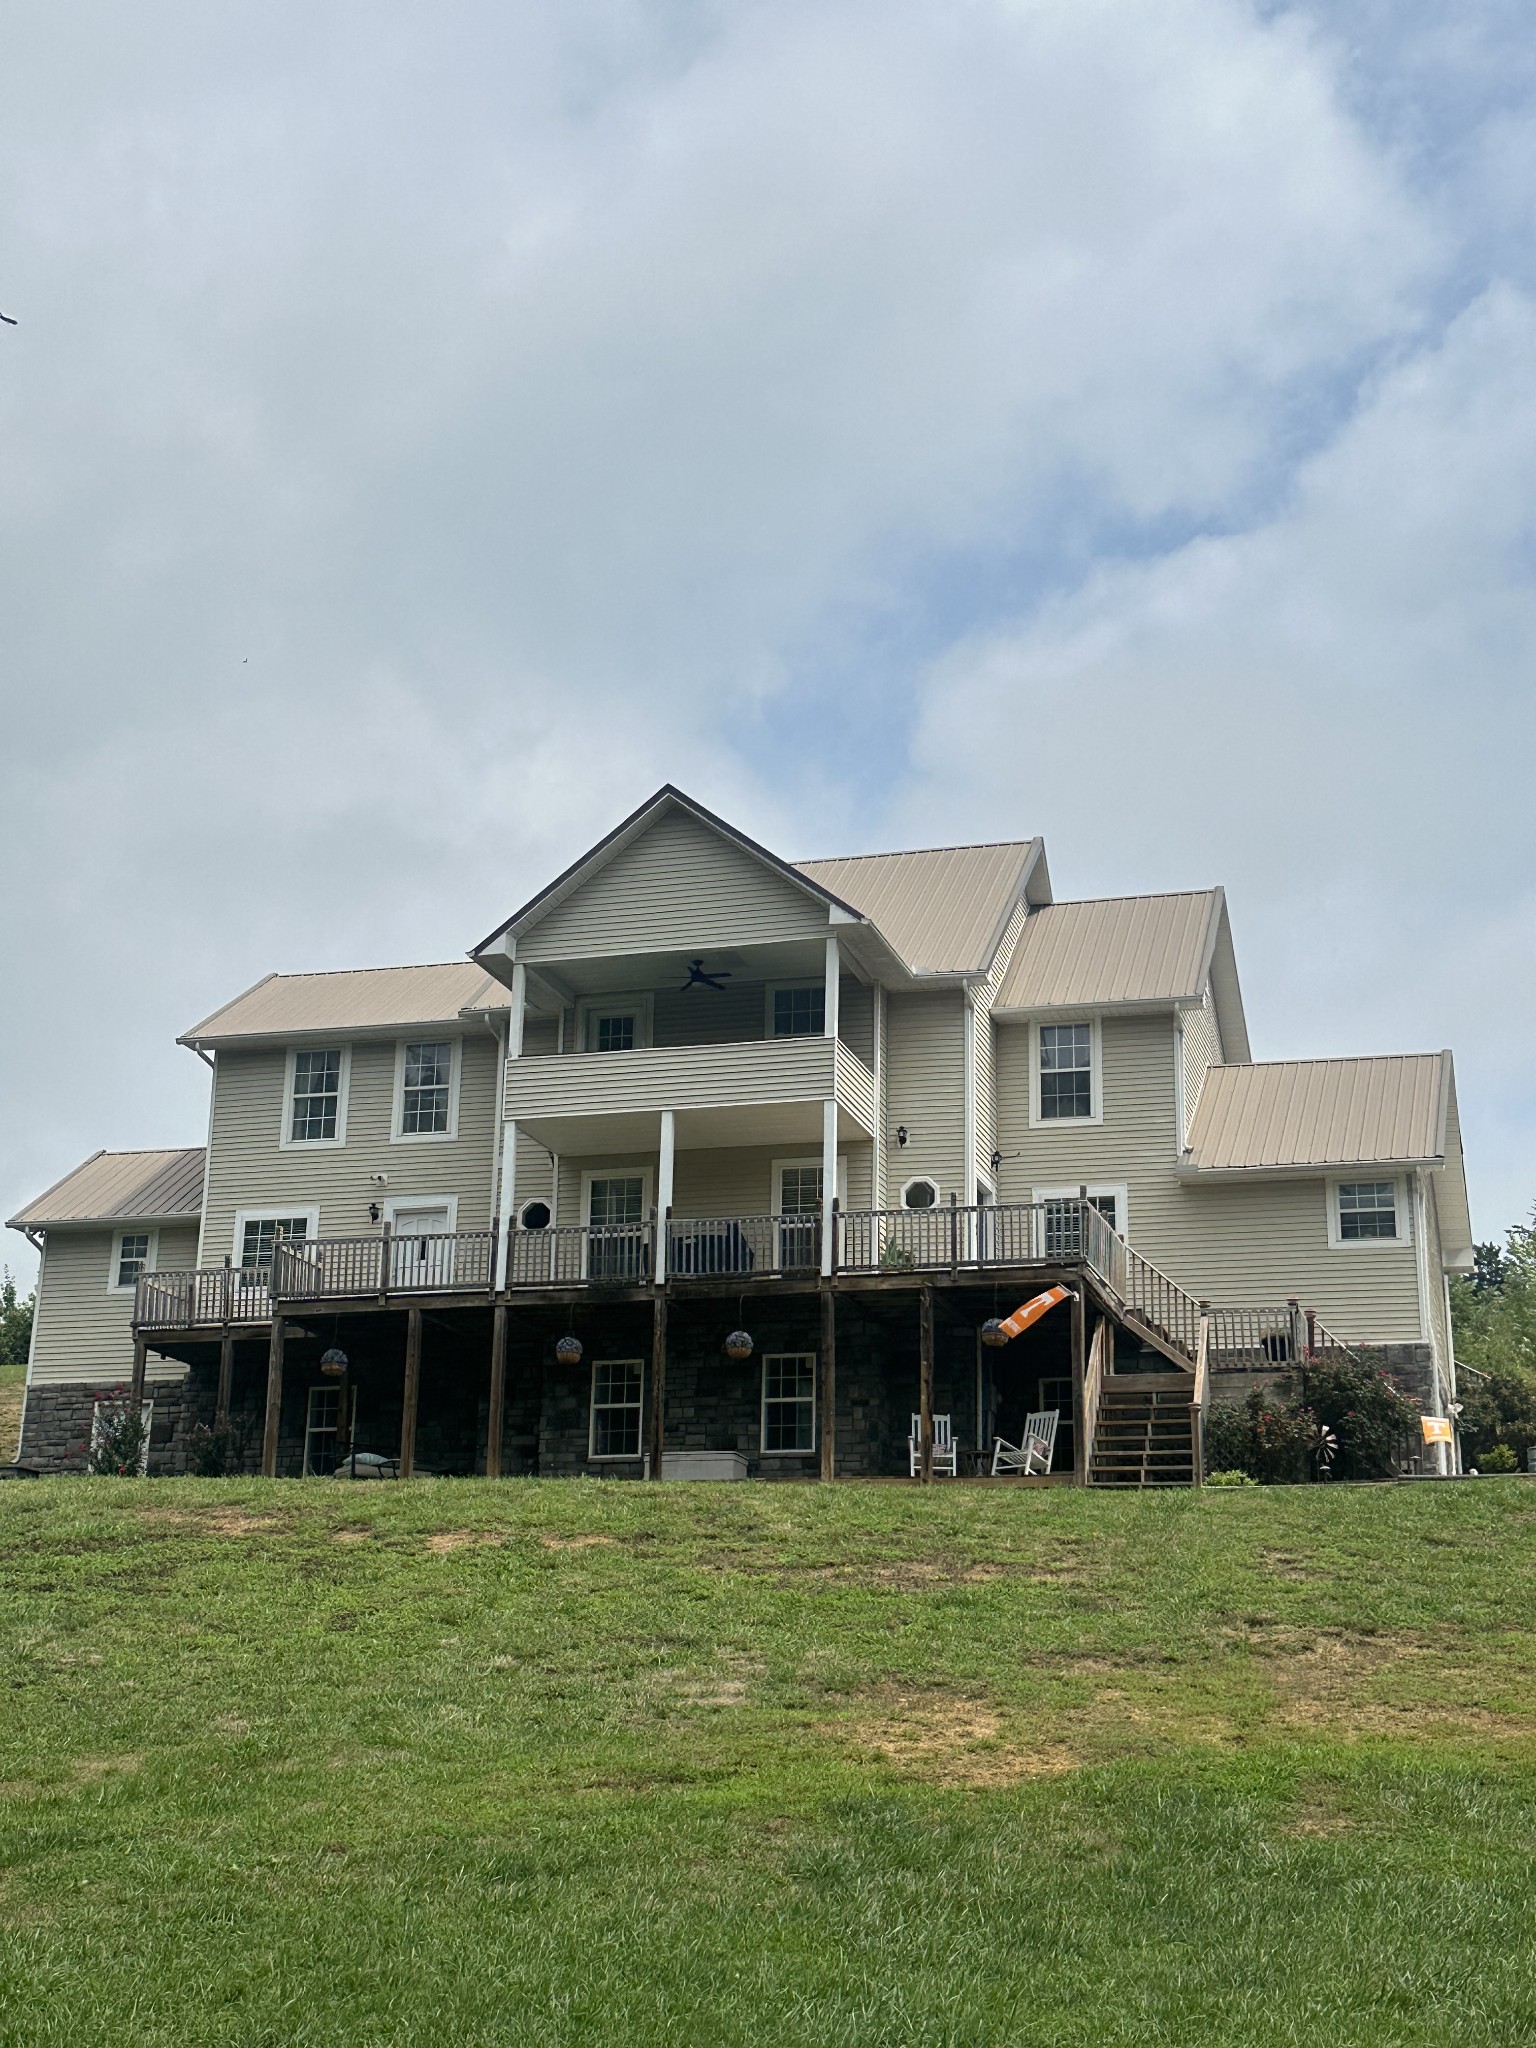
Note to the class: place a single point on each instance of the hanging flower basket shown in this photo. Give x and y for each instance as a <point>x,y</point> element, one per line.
<point>739,1344</point>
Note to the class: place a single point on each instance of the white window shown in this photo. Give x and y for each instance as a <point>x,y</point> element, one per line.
<point>427,1088</point>
<point>789,1402</point>
<point>315,1103</point>
<point>1062,1214</point>
<point>797,1010</point>
<point>534,1216</point>
<point>322,1428</point>
<point>1367,1212</point>
<point>256,1233</point>
<point>133,1253</point>
<point>1066,1078</point>
<point>920,1194</point>
<point>618,1385</point>
<point>614,1023</point>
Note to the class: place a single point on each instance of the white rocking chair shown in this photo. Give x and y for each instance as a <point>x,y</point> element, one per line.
<point>943,1447</point>
<point>1034,1454</point>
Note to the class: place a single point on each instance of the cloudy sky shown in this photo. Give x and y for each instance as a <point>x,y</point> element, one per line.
<point>427,430</point>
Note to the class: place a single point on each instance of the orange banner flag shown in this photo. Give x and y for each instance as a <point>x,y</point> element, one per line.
<point>1034,1309</point>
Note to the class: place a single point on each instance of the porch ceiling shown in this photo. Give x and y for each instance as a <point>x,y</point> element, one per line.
<point>626,973</point>
<point>794,1125</point>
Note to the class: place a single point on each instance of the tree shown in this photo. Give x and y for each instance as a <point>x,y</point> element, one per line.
<point>15,1321</point>
<point>1493,1315</point>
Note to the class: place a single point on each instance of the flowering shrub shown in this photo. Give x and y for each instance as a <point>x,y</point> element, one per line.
<point>1279,1441</point>
<point>118,1436</point>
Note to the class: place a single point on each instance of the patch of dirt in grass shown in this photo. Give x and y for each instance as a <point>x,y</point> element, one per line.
<point>351,1535</point>
<point>952,1738</point>
<point>233,1725</point>
<point>578,1542</point>
<point>1329,1678</point>
<point>447,1540</point>
<point>1318,1816</point>
<point>1286,1564</point>
<point>214,1521</point>
<point>90,1770</point>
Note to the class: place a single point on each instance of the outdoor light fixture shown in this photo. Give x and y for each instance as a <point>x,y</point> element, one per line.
<point>568,1351</point>
<point>333,1362</point>
<point>993,1335</point>
<point>373,1212</point>
<point>901,1134</point>
<point>997,1160</point>
<point>739,1344</point>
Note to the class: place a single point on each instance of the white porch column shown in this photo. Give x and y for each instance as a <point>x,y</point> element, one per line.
<point>664,1167</point>
<point>834,984</point>
<point>828,1176</point>
<point>508,1176</point>
<point>519,1003</point>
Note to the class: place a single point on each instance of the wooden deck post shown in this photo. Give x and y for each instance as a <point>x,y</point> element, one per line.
<point>1079,1379</point>
<point>496,1410</point>
<point>226,1379</point>
<point>407,1463</point>
<point>274,1414</point>
<point>655,1430</point>
<point>828,1382</point>
<point>925,1386</point>
<point>136,1383</point>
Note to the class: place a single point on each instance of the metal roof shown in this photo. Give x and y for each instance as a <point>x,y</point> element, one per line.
<point>1122,949</point>
<point>141,1186</point>
<point>941,908</point>
<point>1289,1114</point>
<point>356,999</point>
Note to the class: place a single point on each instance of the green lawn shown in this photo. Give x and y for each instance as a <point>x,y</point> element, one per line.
<point>456,1762</point>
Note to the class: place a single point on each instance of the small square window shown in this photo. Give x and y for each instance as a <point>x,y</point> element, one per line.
<point>1367,1209</point>
<point>316,1097</point>
<point>615,1033</point>
<point>789,1401</point>
<point>132,1256</point>
<point>1066,1071</point>
<point>800,1012</point>
<point>617,1388</point>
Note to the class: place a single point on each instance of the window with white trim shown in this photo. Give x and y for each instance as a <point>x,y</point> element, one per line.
<point>789,1402</point>
<point>1367,1211</point>
<point>426,1088</point>
<point>1062,1215</point>
<point>315,1107</point>
<point>615,1023</point>
<point>1066,1072</point>
<point>322,1429</point>
<point>131,1257</point>
<point>259,1233</point>
<point>920,1194</point>
<point>799,1012</point>
<point>618,1387</point>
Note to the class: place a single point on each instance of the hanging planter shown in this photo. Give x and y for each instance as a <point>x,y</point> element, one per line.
<point>993,1335</point>
<point>568,1351</point>
<point>739,1344</point>
<point>333,1363</point>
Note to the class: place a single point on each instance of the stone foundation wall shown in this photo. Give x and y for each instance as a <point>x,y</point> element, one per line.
<point>56,1425</point>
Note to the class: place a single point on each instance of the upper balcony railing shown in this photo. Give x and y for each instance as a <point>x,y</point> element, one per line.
<point>486,1264</point>
<point>732,1074</point>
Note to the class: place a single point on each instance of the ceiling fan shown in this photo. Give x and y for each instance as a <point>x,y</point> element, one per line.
<point>697,978</point>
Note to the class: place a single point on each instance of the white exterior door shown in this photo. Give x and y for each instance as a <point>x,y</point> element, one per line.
<point>423,1253</point>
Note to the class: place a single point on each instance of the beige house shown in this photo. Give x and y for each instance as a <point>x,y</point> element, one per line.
<point>849,1111</point>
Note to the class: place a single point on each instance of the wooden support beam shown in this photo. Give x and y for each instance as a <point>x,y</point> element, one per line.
<point>274,1414</point>
<point>136,1383</point>
<point>1079,1309</point>
<point>496,1410</point>
<point>828,1384</point>
<point>412,1392</point>
<point>655,1430</point>
<point>925,1386</point>
<point>226,1380</point>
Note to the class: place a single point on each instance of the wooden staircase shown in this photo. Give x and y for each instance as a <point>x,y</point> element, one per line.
<point>1144,1431</point>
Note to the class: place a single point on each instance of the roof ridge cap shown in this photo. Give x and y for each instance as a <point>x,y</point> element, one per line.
<point>908,852</point>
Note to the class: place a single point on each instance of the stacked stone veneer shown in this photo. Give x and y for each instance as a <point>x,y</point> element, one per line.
<point>56,1424</point>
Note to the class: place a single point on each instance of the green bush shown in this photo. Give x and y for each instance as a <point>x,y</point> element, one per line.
<point>1267,1438</point>
<point>1233,1478</point>
<point>118,1435</point>
<point>1366,1412</point>
<point>1498,1458</point>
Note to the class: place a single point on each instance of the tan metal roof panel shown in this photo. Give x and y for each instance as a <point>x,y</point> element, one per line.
<point>355,999</point>
<point>942,908</point>
<point>1122,949</point>
<point>1285,1114</point>
<point>143,1186</point>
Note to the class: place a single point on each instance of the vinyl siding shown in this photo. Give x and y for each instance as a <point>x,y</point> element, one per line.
<point>678,885</point>
<point>711,1181</point>
<point>925,1091</point>
<point>85,1332</point>
<point>1240,1243</point>
<point>984,1065</point>
<point>682,1077</point>
<point>1202,1050</point>
<point>249,1169</point>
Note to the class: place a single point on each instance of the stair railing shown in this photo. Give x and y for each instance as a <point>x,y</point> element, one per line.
<point>1199,1396</point>
<point>1093,1382</point>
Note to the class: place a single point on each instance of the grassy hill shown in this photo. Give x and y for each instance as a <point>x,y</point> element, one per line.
<point>567,1763</point>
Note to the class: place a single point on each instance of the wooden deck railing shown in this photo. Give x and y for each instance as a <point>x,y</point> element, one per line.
<point>415,1262</point>
<point>1250,1338</point>
<point>1161,1305</point>
<point>209,1294</point>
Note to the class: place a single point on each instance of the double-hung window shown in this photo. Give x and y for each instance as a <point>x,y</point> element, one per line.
<point>789,1401</point>
<point>426,1089</point>
<point>617,1386</point>
<point>620,1023</point>
<point>1061,1211</point>
<point>322,1431</point>
<point>315,1103</point>
<point>132,1257</point>
<point>800,1012</point>
<point>1368,1211</point>
<point>1066,1072</point>
<point>258,1234</point>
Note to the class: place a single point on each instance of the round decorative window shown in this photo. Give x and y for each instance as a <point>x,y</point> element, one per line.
<point>919,1194</point>
<point>535,1216</point>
